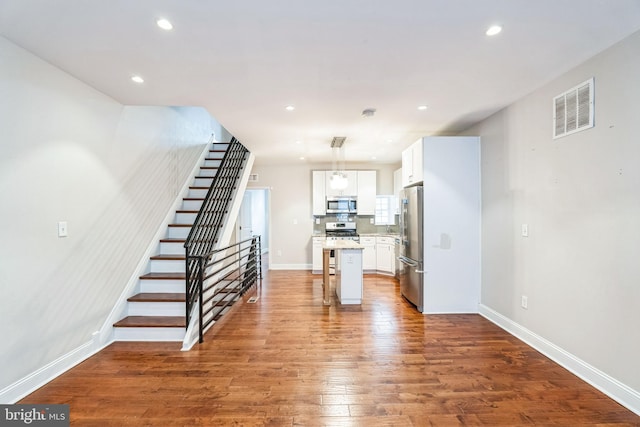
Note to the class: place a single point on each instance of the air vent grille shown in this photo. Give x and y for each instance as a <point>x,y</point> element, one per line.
<point>573,110</point>
<point>253,177</point>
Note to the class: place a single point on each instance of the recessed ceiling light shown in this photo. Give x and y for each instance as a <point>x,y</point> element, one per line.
<point>493,30</point>
<point>164,24</point>
<point>289,108</point>
<point>373,157</point>
<point>137,79</point>
<point>298,142</point>
<point>301,158</point>
<point>422,107</point>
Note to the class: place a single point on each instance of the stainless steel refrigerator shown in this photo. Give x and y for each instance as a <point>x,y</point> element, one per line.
<point>411,246</point>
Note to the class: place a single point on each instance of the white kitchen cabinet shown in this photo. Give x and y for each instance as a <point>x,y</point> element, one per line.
<point>352,184</point>
<point>385,255</point>
<point>369,253</point>
<point>317,243</point>
<point>367,192</point>
<point>319,195</point>
<point>412,164</point>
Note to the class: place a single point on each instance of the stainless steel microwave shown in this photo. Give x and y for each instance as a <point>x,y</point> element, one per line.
<point>342,205</point>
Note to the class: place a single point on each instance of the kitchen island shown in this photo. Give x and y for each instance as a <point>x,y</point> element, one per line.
<point>348,269</point>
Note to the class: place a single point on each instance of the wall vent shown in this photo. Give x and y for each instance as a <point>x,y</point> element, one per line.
<point>253,177</point>
<point>573,110</point>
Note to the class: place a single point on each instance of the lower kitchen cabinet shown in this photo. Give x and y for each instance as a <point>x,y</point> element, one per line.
<point>317,254</point>
<point>386,255</point>
<point>369,253</point>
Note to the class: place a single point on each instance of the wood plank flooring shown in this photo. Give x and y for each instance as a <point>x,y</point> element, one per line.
<point>288,360</point>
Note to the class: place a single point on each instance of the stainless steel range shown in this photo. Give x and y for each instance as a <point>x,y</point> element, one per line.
<point>339,231</point>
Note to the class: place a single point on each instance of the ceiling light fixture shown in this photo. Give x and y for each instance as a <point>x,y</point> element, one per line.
<point>422,107</point>
<point>289,108</point>
<point>338,180</point>
<point>493,30</point>
<point>137,79</point>
<point>164,24</point>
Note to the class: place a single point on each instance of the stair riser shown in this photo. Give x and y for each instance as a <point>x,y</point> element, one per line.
<point>191,205</point>
<point>185,218</point>
<point>171,248</point>
<point>219,146</point>
<point>178,232</point>
<point>198,193</point>
<point>213,163</point>
<point>167,266</point>
<point>208,172</point>
<point>202,182</point>
<point>156,308</point>
<point>215,155</point>
<point>162,286</point>
<point>148,334</point>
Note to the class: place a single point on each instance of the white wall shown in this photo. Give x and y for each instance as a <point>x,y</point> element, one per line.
<point>580,196</point>
<point>70,153</point>
<point>291,220</point>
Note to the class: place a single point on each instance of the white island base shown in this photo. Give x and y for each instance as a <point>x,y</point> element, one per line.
<point>348,276</point>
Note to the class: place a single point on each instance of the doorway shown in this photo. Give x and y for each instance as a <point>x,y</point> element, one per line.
<point>253,218</point>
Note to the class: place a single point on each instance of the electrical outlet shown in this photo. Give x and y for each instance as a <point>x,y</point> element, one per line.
<point>317,220</point>
<point>370,220</point>
<point>525,230</point>
<point>524,302</point>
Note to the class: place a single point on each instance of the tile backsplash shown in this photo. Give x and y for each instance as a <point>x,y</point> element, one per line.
<point>363,224</point>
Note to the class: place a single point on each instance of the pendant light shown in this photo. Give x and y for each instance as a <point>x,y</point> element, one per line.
<point>338,180</point>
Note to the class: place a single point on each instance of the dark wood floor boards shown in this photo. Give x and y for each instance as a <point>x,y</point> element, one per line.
<point>288,360</point>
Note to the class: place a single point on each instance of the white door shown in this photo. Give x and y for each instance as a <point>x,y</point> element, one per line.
<point>245,224</point>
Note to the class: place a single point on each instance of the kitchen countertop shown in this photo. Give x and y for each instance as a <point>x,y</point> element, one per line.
<point>341,244</point>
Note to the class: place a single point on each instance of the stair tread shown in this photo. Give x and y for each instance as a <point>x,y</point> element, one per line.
<point>173,240</point>
<point>168,257</point>
<point>193,198</point>
<point>182,211</point>
<point>158,297</point>
<point>209,167</point>
<point>163,276</point>
<point>180,225</point>
<point>151,322</point>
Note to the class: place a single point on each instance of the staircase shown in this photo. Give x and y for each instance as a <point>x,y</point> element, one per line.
<point>157,311</point>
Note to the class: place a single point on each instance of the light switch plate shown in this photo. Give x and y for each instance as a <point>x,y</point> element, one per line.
<point>62,229</point>
<point>525,230</point>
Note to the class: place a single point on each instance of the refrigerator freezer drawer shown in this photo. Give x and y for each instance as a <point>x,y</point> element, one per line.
<point>411,281</point>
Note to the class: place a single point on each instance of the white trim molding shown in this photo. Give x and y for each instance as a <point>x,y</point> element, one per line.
<point>621,393</point>
<point>27,385</point>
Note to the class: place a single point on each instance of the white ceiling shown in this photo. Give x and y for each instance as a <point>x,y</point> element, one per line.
<point>245,60</point>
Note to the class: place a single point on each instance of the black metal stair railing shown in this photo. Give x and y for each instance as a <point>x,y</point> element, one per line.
<point>228,274</point>
<point>205,232</point>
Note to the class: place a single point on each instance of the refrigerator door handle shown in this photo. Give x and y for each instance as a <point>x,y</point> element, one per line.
<point>411,263</point>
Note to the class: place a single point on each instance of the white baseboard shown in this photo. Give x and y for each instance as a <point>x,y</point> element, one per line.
<point>289,266</point>
<point>27,385</point>
<point>613,388</point>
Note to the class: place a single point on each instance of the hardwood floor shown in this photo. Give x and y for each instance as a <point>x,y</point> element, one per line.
<point>288,360</point>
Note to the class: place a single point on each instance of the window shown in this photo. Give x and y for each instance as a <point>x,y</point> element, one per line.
<point>386,210</point>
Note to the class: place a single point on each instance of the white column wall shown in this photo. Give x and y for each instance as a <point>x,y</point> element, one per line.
<point>70,153</point>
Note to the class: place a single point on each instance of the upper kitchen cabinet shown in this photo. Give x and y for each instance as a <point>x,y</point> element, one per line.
<point>319,195</point>
<point>350,190</point>
<point>412,164</point>
<point>366,192</point>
